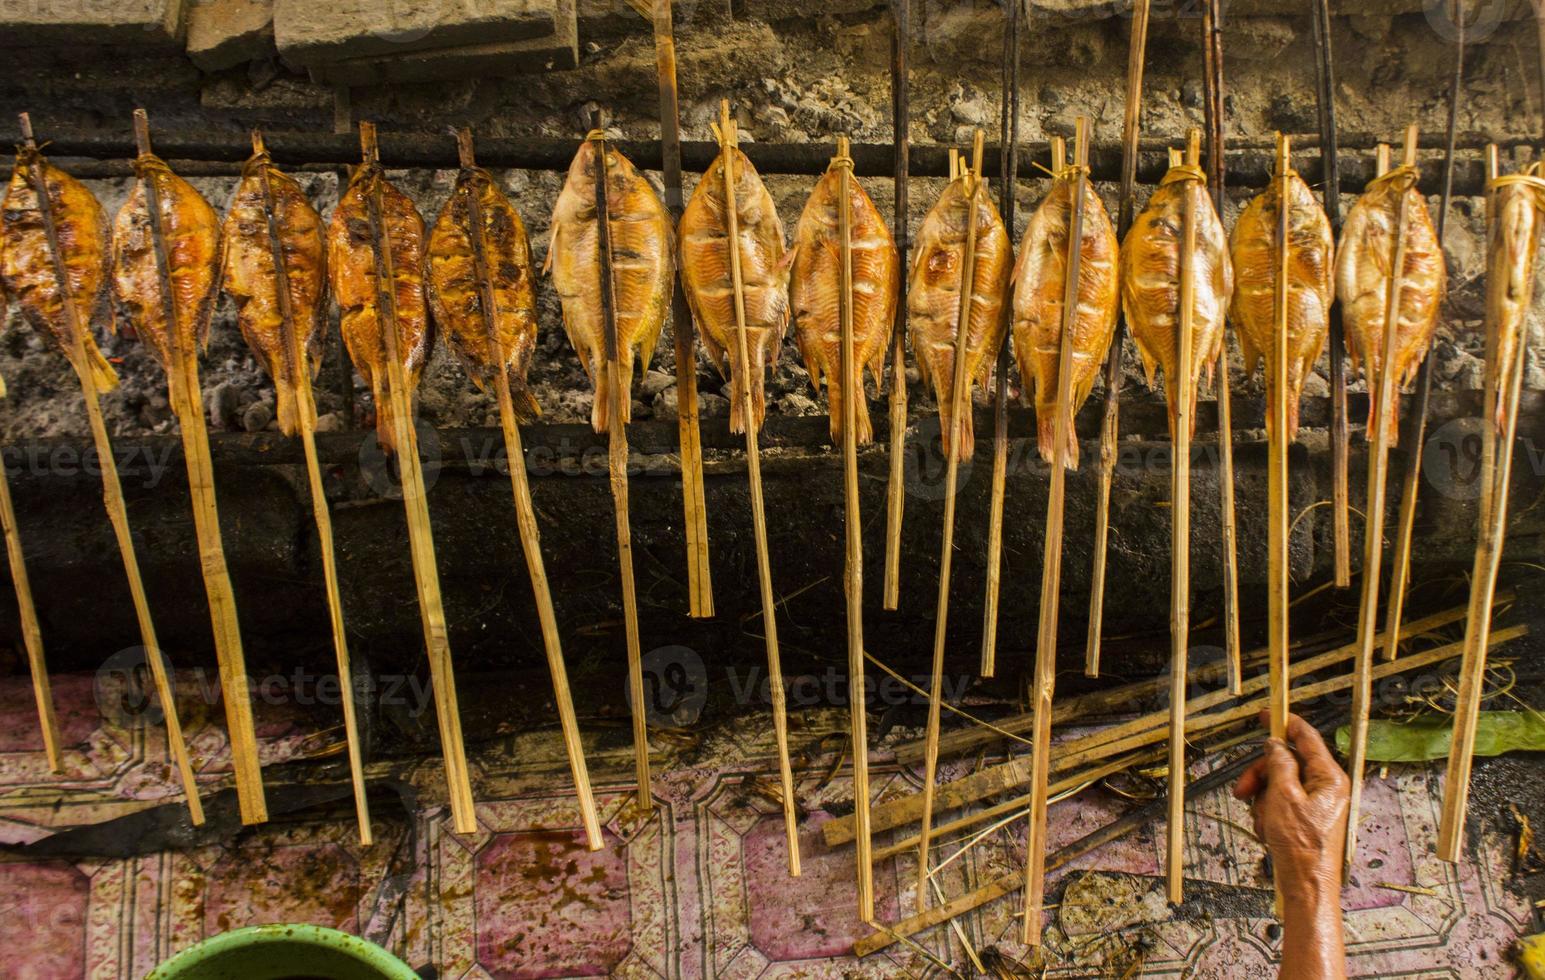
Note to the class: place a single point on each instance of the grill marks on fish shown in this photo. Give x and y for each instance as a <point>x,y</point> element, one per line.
<point>27,269</point>
<point>456,296</point>
<point>1150,283</point>
<point>351,266</point>
<point>815,287</point>
<point>1363,273</point>
<point>1040,280</point>
<point>191,234</point>
<point>643,262</point>
<point>1310,286</point>
<point>933,299</point>
<point>1519,210</point>
<point>764,272</point>
<point>250,279</point>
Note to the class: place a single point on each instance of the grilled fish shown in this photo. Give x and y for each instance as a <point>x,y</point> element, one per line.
<point>643,261</point>
<point>817,278</point>
<point>351,266</point>
<point>1150,282</point>
<point>456,297</point>
<point>1310,287</point>
<point>250,280</point>
<point>1518,212</point>
<point>1040,279</point>
<point>933,297</point>
<point>191,237</point>
<point>27,270</point>
<point>1363,266</point>
<point>764,274</point>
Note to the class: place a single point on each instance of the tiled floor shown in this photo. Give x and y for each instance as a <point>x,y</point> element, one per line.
<point>698,890</point>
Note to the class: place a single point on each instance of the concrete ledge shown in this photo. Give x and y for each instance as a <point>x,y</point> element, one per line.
<point>310,34</point>
<point>139,23</point>
<point>225,33</point>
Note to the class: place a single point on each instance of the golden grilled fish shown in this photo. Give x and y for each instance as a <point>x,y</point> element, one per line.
<point>817,277</point>
<point>933,296</point>
<point>1363,265</point>
<point>456,297</point>
<point>643,261</point>
<point>1310,287</point>
<point>1150,282</point>
<point>27,270</point>
<point>1518,212</point>
<point>764,275</point>
<point>250,280</point>
<point>352,269</point>
<point>1040,280</point>
<point>192,242</point>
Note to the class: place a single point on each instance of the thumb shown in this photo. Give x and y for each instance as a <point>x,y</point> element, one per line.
<point>1281,768</point>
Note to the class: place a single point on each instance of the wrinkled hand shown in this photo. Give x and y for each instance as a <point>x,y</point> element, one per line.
<point>1299,796</point>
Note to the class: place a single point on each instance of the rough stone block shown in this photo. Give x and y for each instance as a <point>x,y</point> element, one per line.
<point>556,52</point>
<point>772,11</point>
<point>610,19</point>
<point>141,23</point>
<point>225,33</point>
<point>309,33</point>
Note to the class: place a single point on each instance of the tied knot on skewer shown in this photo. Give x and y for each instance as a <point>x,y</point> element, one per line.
<point>1183,171</point>
<point>1405,176</point>
<point>1530,177</point>
<point>1065,172</point>
<point>595,135</point>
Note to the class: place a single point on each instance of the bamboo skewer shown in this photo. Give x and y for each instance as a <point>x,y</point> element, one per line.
<point>972,178</point>
<point>1110,426</point>
<point>729,137</point>
<point>525,514</point>
<point>1278,518</point>
<point>1180,568</point>
<point>1415,438</point>
<point>112,496</point>
<point>1496,477</point>
<point>896,487</point>
<point>1325,97</point>
<point>31,632</point>
<point>1009,166</point>
<point>1378,472</point>
<point>853,528</point>
<point>1212,58</point>
<point>1051,561</point>
<point>300,373</point>
<point>183,389</point>
<point>416,507</point>
<point>617,465</point>
<point>693,497</point>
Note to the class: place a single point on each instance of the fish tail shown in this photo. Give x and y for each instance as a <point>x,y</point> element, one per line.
<point>286,408</point>
<point>386,433</point>
<point>103,377</point>
<point>1292,407</point>
<point>947,428</point>
<point>863,428</point>
<point>600,409</point>
<point>527,408</point>
<point>1046,437</point>
<point>756,371</point>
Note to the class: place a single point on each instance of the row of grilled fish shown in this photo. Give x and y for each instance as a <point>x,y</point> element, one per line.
<point>438,273</point>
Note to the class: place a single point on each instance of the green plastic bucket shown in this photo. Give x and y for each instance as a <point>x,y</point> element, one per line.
<point>280,952</point>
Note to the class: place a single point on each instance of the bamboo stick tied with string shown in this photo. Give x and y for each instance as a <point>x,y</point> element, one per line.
<point>188,405</point>
<point>112,491</point>
<point>1384,393</point>
<point>1514,228</point>
<point>617,465</point>
<point>970,176</point>
<point>525,510</point>
<point>729,138</point>
<point>1044,676</point>
<point>415,500</point>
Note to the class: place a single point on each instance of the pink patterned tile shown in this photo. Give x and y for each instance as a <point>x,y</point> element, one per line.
<point>44,932</point>
<point>317,883</point>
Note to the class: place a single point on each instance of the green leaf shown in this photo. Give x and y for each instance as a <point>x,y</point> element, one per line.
<point>1427,737</point>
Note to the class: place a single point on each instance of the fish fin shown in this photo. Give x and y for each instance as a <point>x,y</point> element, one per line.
<point>527,408</point>
<point>600,413</point>
<point>757,372</point>
<point>286,408</point>
<point>552,247</point>
<point>967,436</point>
<point>103,377</point>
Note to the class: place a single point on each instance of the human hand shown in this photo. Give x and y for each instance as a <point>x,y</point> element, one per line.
<point>1299,797</point>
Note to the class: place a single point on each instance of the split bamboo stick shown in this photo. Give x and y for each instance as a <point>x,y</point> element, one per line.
<point>617,465</point>
<point>1384,393</point>
<point>694,500</point>
<point>1008,884</point>
<point>525,514</point>
<point>31,632</point>
<point>1045,677</point>
<point>895,493</point>
<point>188,403</point>
<point>1415,439</point>
<point>729,137</point>
<point>1110,426</point>
<point>1008,160</point>
<point>112,494</point>
<point>1496,475</point>
<point>959,405</point>
<point>300,374</point>
<point>415,501</point>
<point>1278,518</point>
<point>1325,98</point>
